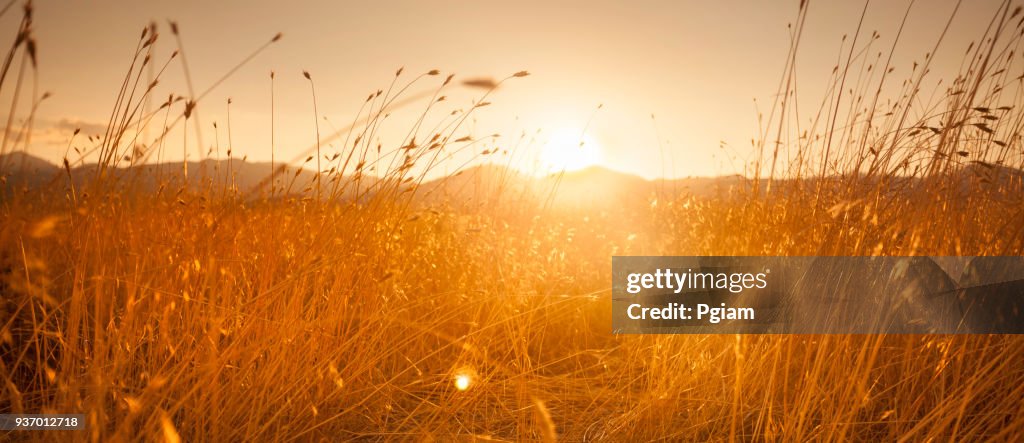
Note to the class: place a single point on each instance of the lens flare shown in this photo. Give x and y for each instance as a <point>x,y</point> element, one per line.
<point>462,381</point>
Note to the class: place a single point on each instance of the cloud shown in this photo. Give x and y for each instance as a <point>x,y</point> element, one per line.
<point>48,134</point>
<point>47,131</point>
<point>69,126</point>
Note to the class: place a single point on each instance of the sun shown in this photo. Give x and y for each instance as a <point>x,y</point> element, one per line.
<point>568,149</point>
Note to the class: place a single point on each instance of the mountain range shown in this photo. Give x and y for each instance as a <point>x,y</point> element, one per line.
<point>472,184</point>
<point>591,185</point>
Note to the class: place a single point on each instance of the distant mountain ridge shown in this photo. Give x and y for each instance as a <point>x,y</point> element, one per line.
<point>593,184</point>
<point>476,183</point>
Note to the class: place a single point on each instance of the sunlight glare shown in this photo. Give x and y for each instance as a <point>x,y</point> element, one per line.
<point>568,149</point>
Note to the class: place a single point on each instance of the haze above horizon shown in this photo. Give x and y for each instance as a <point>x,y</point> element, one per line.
<point>695,67</point>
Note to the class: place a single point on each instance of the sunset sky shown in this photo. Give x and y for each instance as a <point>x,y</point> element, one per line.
<point>697,66</point>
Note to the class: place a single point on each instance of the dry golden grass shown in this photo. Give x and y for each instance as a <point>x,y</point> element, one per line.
<point>191,312</point>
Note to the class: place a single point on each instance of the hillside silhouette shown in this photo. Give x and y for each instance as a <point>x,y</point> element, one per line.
<point>583,187</point>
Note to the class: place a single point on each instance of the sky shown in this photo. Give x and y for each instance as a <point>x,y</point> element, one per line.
<point>697,67</point>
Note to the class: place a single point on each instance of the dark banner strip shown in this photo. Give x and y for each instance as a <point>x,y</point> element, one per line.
<point>818,295</point>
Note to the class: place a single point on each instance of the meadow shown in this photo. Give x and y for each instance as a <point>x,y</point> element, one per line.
<point>342,304</point>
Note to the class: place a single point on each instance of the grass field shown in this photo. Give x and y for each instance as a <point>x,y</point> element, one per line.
<point>194,311</point>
